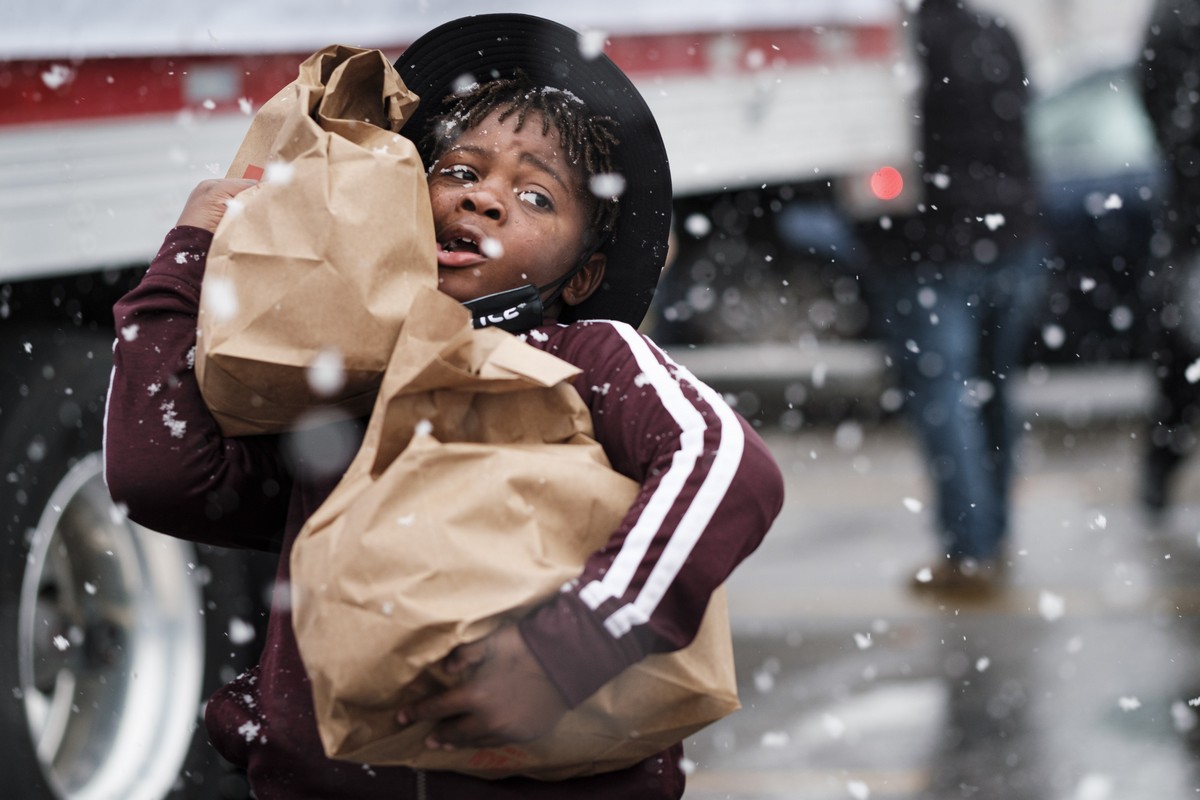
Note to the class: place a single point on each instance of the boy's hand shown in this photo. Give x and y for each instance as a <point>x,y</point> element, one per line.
<point>505,696</point>
<point>208,202</point>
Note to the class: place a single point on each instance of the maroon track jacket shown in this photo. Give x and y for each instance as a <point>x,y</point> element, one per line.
<point>710,490</point>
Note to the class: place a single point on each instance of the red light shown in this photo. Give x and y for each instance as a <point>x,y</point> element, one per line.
<point>887,183</point>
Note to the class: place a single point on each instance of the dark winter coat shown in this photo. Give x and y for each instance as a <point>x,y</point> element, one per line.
<point>980,196</point>
<point>1170,81</point>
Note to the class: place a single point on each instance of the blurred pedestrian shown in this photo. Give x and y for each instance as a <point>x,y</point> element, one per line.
<point>1170,83</point>
<point>963,276</point>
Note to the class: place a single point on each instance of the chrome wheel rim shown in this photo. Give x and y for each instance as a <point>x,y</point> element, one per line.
<point>110,646</point>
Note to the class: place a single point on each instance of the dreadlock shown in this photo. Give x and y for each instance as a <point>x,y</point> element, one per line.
<point>588,139</point>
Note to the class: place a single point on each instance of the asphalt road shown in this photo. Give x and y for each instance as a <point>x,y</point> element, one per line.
<point>1082,683</point>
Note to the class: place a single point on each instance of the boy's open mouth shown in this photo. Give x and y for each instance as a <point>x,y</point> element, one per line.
<point>461,245</point>
<point>459,251</point>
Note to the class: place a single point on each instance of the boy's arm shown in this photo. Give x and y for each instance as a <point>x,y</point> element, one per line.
<point>710,489</point>
<point>165,458</point>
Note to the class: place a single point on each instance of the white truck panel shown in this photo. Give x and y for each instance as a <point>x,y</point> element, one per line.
<point>102,193</point>
<point>84,28</point>
<point>90,194</point>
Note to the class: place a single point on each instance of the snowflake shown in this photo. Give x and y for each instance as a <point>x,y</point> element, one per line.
<point>250,730</point>
<point>176,426</point>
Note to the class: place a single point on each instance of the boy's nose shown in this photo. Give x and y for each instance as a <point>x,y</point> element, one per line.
<point>481,201</point>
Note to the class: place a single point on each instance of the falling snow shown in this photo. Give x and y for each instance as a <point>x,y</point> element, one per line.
<point>57,76</point>
<point>1054,336</point>
<point>240,631</point>
<point>858,790</point>
<point>607,185</point>
<point>326,375</point>
<point>279,172</point>
<point>775,739</point>
<point>491,247</point>
<point>1183,718</point>
<point>697,225</point>
<point>833,726</point>
<point>220,297</point>
<point>1051,606</point>
<point>1094,787</point>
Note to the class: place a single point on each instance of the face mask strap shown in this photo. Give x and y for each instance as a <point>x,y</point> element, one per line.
<point>518,310</point>
<point>558,286</point>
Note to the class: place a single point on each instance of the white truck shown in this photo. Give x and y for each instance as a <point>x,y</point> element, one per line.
<point>111,636</point>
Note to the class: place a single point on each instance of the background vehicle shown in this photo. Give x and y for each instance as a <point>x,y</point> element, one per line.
<point>1101,177</point>
<point>113,635</point>
<point>784,262</point>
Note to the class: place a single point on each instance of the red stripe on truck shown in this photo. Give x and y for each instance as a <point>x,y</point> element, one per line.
<point>62,91</point>
<point>44,91</point>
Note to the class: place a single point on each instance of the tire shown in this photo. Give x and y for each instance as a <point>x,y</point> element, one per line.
<point>113,635</point>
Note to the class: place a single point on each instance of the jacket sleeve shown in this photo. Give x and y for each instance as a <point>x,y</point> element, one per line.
<point>165,458</point>
<point>710,489</point>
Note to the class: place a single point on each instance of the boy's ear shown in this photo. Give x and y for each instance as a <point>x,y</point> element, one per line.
<point>586,281</point>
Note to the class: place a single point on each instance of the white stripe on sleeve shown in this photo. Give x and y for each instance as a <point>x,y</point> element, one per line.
<point>695,520</point>
<point>633,550</point>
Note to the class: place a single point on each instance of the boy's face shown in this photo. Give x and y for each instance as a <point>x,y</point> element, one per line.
<point>508,209</point>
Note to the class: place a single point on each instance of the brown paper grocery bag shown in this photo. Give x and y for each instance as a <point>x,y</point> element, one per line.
<point>477,494</point>
<point>315,267</point>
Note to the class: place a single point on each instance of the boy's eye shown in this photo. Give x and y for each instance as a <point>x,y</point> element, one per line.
<point>458,171</point>
<point>535,198</point>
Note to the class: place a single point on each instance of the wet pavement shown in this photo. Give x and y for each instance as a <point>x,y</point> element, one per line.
<point>1081,683</point>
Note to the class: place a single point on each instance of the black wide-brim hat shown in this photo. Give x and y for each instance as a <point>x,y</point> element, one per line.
<point>489,46</point>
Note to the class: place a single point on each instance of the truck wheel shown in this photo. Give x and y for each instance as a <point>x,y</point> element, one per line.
<point>112,635</point>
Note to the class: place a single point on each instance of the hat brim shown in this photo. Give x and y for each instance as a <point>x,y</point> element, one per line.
<point>489,46</point>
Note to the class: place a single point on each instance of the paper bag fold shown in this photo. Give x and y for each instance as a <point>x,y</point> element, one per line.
<point>323,257</point>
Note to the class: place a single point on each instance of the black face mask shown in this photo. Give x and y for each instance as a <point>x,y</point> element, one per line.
<point>518,310</point>
<point>522,308</point>
<point>515,310</point>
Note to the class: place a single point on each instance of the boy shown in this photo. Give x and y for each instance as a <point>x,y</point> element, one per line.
<point>510,162</point>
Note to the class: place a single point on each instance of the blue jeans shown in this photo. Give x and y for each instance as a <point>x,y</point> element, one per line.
<point>957,333</point>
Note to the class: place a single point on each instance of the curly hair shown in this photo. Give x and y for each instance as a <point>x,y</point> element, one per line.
<point>589,140</point>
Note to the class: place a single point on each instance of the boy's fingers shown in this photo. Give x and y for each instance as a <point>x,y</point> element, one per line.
<point>465,657</point>
<point>431,709</point>
<point>455,723</point>
<point>463,731</point>
<point>209,200</point>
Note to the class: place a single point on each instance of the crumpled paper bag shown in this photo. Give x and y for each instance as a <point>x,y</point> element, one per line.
<point>477,494</point>
<point>312,271</point>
